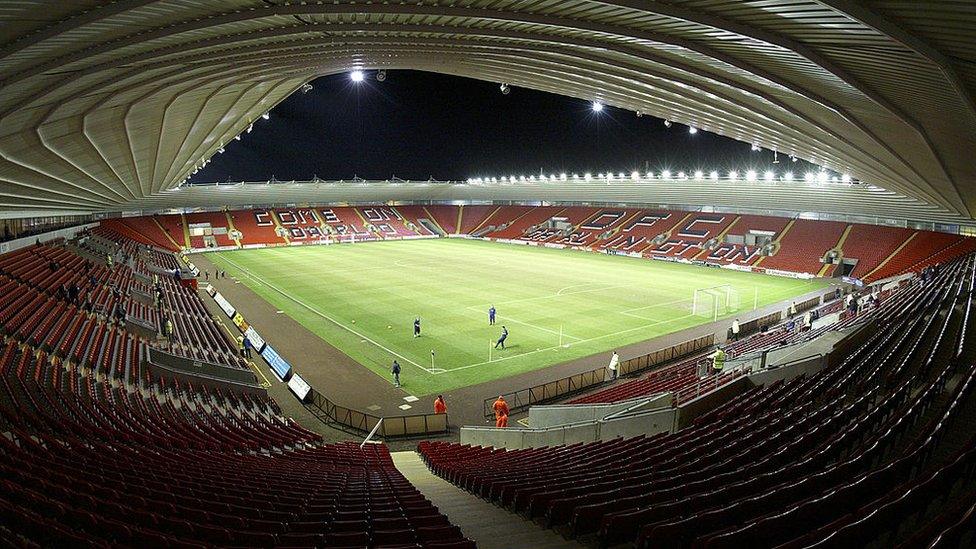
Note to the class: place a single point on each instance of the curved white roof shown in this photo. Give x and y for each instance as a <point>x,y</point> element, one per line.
<point>103,104</point>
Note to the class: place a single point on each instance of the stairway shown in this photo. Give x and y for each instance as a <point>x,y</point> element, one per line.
<point>489,525</point>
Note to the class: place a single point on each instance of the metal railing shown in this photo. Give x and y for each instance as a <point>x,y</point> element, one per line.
<point>520,400</point>
<point>356,421</point>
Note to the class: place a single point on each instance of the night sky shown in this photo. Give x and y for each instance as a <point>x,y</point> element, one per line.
<point>419,125</point>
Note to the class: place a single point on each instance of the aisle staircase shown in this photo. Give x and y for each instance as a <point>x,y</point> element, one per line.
<point>492,527</point>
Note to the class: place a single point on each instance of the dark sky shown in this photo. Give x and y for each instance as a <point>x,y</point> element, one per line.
<point>417,125</point>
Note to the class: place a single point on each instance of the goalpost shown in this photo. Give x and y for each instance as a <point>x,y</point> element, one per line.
<point>715,301</point>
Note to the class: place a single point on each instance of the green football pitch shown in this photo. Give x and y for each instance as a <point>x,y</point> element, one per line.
<point>557,304</point>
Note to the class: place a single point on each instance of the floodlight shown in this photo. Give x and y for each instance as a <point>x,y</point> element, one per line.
<point>822,177</point>
<point>587,176</point>
<point>562,176</point>
<point>845,178</point>
<point>357,76</point>
<point>713,176</point>
<point>635,175</point>
<point>788,176</point>
<point>381,76</point>
<point>681,175</point>
<point>751,175</point>
<point>504,88</point>
<point>699,175</point>
<point>809,177</point>
<point>667,123</point>
<point>692,130</point>
<point>769,176</point>
<point>755,147</point>
<point>666,174</point>
<point>733,175</point>
<point>265,116</point>
<point>597,106</point>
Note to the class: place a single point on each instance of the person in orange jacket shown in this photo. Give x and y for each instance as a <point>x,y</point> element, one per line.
<point>501,411</point>
<point>440,407</point>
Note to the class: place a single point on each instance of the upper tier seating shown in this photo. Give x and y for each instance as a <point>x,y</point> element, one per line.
<point>806,462</point>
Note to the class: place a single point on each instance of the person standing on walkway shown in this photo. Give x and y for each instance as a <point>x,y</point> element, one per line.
<point>396,373</point>
<point>247,347</point>
<point>718,361</point>
<point>440,407</point>
<point>501,412</point>
<point>614,362</point>
<point>735,330</point>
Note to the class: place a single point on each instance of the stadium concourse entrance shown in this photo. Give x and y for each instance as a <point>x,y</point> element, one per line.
<point>335,374</point>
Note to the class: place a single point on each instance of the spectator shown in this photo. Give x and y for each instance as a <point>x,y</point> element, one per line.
<point>735,330</point>
<point>108,261</point>
<point>614,361</point>
<point>168,330</point>
<point>396,373</point>
<point>440,407</point>
<point>792,309</point>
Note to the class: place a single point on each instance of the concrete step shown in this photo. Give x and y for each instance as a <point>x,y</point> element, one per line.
<point>487,524</point>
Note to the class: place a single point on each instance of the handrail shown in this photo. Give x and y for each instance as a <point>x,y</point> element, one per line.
<point>521,399</point>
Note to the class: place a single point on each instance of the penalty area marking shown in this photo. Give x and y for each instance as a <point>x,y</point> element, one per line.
<point>567,344</point>
<point>325,316</point>
<point>530,325</point>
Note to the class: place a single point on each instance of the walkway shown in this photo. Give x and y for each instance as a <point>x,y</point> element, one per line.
<point>489,525</point>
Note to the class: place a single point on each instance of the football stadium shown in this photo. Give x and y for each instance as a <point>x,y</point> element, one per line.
<point>673,274</point>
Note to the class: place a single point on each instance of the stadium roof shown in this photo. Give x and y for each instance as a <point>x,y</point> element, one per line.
<point>103,104</point>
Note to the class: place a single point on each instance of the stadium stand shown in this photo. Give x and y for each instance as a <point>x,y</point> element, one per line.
<point>211,220</point>
<point>472,217</point>
<point>872,244</point>
<point>514,221</point>
<point>923,251</point>
<point>803,245</point>
<point>141,229</point>
<point>881,252</point>
<point>95,454</point>
<point>805,462</point>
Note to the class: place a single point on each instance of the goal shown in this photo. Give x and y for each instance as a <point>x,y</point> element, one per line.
<point>715,301</point>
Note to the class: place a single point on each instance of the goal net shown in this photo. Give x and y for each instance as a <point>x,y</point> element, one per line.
<point>715,301</point>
